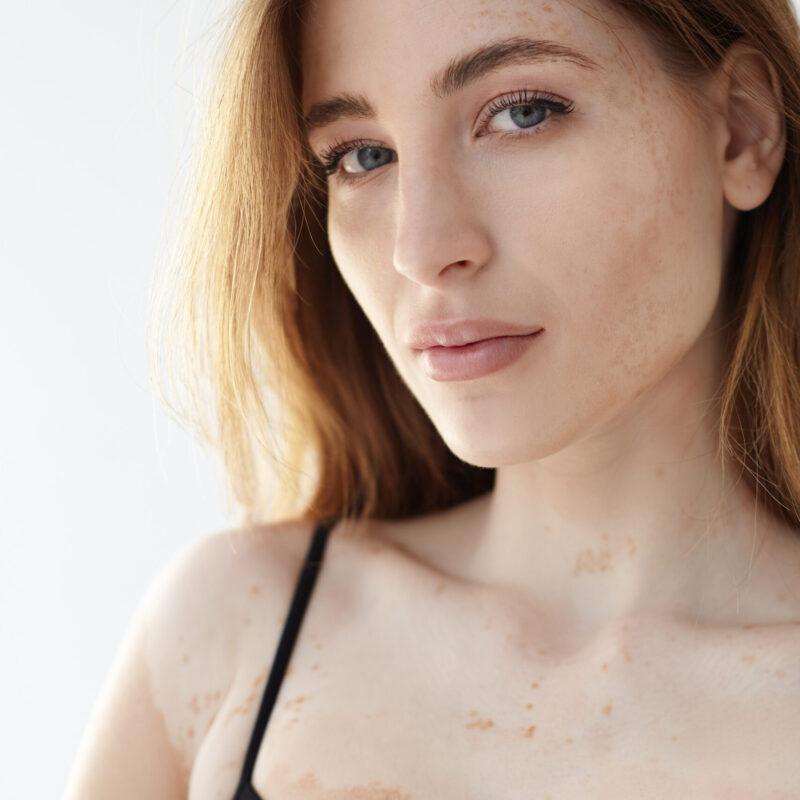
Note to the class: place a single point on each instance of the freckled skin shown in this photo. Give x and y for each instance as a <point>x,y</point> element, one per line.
<point>607,227</point>
<point>595,719</point>
<point>480,724</point>
<point>308,786</point>
<point>419,669</point>
<point>260,678</point>
<point>591,562</point>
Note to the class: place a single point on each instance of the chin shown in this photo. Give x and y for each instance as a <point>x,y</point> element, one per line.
<point>491,448</point>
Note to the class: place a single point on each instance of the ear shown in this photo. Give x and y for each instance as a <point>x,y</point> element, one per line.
<point>754,125</point>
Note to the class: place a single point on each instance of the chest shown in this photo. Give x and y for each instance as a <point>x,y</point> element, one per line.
<point>391,696</point>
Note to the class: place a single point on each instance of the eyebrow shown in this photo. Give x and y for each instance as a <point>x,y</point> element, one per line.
<point>458,73</point>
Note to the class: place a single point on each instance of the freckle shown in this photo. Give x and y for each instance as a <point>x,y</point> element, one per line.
<point>569,740</point>
<point>780,673</point>
<point>659,471</point>
<point>440,588</point>
<point>674,738</point>
<point>529,731</point>
<point>747,627</point>
<point>255,590</point>
<point>529,706</point>
<point>295,701</point>
<point>315,666</point>
<point>259,679</point>
<point>483,724</point>
<point>248,621</point>
<point>473,713</point>
<point>534,685</point>
<point>548,528</point>
<point>748,658</point>
<point>185,659</point>
<point>543,652</point>
<point>588,561</point>
<point>624,627</point>
<point>190,732</point>
<point>781,597</point>
<point>194,704</point>
<point>607,709</point>
<point>238,710</point>
<point>217,694</point>
<point>627,654</point>
<point>318,646</point>
<point>605,666</point>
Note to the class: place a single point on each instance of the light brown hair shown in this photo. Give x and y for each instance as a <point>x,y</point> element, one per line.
<point>272,363</point>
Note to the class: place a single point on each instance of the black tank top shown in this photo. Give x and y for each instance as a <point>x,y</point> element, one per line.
<point>302,593</point>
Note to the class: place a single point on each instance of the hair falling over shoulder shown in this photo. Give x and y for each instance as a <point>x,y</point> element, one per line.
<point>257,345</point>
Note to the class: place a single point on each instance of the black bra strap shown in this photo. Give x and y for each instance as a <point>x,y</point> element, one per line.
<point>302,593</point>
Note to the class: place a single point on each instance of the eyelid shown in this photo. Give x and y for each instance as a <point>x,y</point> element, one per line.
<point>541,98</point>
<point>331,156</point>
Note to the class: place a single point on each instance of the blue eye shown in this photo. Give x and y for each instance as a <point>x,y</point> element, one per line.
<point>527,110</point>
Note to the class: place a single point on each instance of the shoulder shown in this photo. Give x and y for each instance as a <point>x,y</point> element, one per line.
<point>203,612</point>
<point>212,574</point>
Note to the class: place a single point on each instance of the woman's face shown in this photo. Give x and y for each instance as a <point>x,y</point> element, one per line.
<point>578,195</point>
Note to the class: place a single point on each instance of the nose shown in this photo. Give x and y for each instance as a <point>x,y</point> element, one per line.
<point>439,233</point>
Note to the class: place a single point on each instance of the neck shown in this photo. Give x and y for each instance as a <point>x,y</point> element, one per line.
<point>641,516</point>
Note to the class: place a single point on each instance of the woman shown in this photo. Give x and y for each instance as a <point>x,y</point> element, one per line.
<point>519,285</point>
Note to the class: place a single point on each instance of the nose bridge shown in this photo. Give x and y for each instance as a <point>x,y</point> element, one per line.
<point>436,221</point>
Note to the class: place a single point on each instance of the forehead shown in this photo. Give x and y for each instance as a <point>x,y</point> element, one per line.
<point>374,46</point>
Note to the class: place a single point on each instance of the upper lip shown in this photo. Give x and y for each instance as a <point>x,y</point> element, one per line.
<point>458,332</point>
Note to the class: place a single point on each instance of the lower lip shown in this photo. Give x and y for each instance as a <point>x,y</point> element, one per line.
<point>474,360</point>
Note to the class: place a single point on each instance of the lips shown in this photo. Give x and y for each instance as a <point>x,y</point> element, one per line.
<point>460,332</point>
<point>475,360</point>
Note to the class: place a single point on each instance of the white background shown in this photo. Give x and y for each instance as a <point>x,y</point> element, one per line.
<point>98,489</point>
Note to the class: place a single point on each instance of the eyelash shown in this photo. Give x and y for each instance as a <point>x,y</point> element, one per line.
<point>330,158</point>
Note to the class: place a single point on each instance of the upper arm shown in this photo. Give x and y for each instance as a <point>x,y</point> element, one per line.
<point>126,751</point>
<point>169,677</point>
<point>179,660</point>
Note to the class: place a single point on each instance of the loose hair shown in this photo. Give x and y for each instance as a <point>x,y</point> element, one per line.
<point>273,364</point>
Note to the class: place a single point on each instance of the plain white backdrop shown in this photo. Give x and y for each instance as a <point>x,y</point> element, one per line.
<point>98,489</point>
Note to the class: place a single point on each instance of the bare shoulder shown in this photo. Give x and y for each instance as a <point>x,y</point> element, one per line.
<point>180,657</point>
<point>204,612</point>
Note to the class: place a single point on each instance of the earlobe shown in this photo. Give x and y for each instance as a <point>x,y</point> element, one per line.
<point>755,126</point>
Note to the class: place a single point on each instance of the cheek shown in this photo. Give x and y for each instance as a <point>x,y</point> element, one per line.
<point>635,263</point>
<point>357,243</point>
